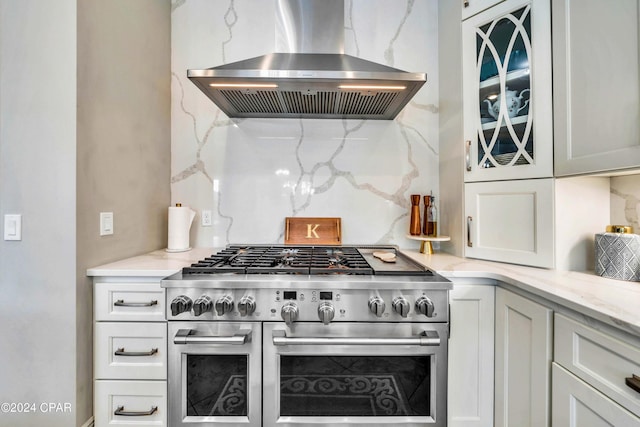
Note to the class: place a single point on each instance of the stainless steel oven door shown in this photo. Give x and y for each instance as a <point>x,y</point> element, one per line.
<point>355,374</point>
<point>214,374</point>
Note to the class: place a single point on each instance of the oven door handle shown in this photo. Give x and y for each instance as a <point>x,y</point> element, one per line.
<point>186,336</point>
<point>425,338</point>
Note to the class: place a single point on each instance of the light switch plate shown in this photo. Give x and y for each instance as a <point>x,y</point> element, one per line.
<point>13,227</point>
<point>106,223</point>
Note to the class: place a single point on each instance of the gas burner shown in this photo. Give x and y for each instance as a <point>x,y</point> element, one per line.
<point>303,260</point>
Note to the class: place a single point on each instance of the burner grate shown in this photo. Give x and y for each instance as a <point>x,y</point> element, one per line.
<point>283,260</point>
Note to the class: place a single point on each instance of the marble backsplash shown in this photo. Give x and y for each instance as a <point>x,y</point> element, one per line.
<point>252,173</point>
<point>625,201</point>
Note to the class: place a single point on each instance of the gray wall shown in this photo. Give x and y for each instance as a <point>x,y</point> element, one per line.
<point>451,125</point>
<point>124,152</point>
<point>84,128</point>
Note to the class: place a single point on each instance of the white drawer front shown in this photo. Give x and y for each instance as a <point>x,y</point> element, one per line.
<point>128,397</point>
<point>576,404</point>
<point>142,302</point>
<point>130,351</point>
<point>599,359</point>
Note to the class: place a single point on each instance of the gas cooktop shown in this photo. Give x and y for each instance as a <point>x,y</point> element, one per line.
<point>308,260</point>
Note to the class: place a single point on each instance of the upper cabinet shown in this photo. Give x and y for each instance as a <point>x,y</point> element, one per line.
<point>507,92</point>
<point>596,83</point>
<point>471,7</point>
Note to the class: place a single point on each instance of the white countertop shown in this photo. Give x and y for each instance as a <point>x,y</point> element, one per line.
<point>611,301</point>
<point>156,263</point>
<point>615,302</point>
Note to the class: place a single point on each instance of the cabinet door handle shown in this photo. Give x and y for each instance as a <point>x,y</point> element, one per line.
<point>467,155</point>
<point>466,3</point>
<point>121,352</point>
<point>120,411</point>
<point>121,303</point>
<point>469,223</point>
<point>633,382</point>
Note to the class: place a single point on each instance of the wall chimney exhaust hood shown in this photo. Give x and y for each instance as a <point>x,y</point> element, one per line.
<point>314,78</point>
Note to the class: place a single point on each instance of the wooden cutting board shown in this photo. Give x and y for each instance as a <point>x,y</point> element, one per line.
<point>312,231</point>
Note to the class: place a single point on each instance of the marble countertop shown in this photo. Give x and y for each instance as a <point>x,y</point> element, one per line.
<point>156,263</point>
<point>614,302</point>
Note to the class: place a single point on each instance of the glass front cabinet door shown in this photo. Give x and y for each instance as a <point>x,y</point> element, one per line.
<point>507,92</point>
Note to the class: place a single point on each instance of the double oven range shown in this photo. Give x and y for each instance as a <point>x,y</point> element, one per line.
<point>307,336</point>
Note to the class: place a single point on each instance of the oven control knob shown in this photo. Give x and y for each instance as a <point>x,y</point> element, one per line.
<point>401,306</point>
<point>180,304</point>
<point>202,305</point>
<point>425,306</point>
<point>224,305</point>
<point>289,313</point>
<point>326,312</point>
<point>376,306</point>
<point>246,305</point>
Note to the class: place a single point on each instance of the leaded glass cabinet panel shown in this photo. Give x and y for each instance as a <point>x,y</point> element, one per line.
<point>507,92</point>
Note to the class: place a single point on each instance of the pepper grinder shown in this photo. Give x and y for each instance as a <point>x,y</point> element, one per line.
<point>431,218</point>
<point>425,223</point>
<point>414,225</point>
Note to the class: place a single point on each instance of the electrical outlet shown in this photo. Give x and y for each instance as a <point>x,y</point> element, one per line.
<point>106,223</point>
<point>206,218</point>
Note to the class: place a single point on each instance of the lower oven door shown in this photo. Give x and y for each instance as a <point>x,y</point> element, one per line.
<point>214,374</point>
<point>355,374</point>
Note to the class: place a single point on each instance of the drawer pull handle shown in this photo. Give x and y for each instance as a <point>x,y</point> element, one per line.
<point>469,224</point>
<point>187,337</point>
<point>121,352</point>
<point>120,411</point>
<point>466,3</point>
<point>121,303</point>
<point>633,382</point>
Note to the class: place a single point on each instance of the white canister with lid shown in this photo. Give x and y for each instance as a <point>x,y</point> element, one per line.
<point>618,253</point>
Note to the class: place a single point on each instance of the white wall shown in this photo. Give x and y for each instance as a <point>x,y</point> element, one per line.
<point>37,180</point>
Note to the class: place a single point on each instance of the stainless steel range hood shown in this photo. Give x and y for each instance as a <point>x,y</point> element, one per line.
<point>314,78</point>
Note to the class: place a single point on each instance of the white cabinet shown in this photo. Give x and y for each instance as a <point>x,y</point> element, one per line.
<point>130,352</point>
<point>596,85</point>
<point>130,403</point>
<point>511,221</point>
<point>507,92</point>
<point>599,365</point>
<point>470,386</point>
<point>523,355</point>
<point>471,7</point>
<point>576,404</point>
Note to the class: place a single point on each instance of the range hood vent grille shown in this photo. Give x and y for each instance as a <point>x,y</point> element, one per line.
<point>271,103</point>
<point>310,103</point>
<point>259,101</point>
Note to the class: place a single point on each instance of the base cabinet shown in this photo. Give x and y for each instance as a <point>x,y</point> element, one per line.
<point>470,390</point>
<point>130,403</point>
<point>130,352</point>
<point>592,366</point>
<point>577,404</point>
<point>522,361</point>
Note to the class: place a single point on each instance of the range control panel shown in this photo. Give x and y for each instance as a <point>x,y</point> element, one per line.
<point>308,305</point>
